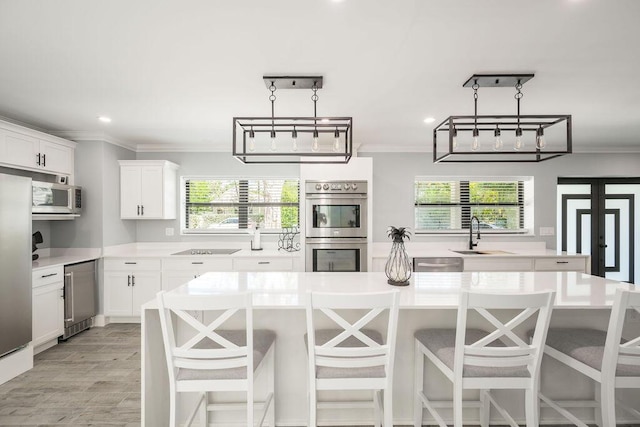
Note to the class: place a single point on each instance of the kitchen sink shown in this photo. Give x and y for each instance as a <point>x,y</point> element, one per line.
<point>486,252</point>
<point>207,252</point>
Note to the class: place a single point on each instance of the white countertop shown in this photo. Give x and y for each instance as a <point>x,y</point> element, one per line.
<point>164,250</point>
<point>53,257</point>
<point>426,290</point>
<point>494,249</point>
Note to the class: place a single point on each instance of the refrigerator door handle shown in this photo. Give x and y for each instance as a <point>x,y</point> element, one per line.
<point>68,297</point>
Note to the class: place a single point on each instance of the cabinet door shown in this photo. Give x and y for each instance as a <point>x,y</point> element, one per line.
<point>145,286</point>
<point>48,313</point>
<point>117,293</point>
<point>56,157</point>
<point>129,192</point>
<point>173,279</point>
<point>20,150</point>
<point>151,192</point>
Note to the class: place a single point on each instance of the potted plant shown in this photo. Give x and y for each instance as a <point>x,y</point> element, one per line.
<point>398,267</point>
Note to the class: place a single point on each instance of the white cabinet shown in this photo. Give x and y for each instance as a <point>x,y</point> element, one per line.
<point>176,272</point>
<point>148,189</point>
<point>561,264</point>
<point>263,264</point>
<point>129,283</point>
<point>48,305</point>
<point>493,263</point>
<point>33,151</point>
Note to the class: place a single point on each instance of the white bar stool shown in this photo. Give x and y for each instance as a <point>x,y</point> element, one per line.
<point>202,357</point>
<point>484,360</point>
<point>348,356</point>
<point>604,356</point>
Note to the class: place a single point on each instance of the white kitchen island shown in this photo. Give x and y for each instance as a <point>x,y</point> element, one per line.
<point>430,300</point>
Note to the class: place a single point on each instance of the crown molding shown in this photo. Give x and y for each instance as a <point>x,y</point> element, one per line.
<point>181,148</point>
<point>79,135</point>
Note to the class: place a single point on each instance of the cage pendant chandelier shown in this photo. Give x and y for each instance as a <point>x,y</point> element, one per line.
<point>501,138</point>
<point>260,140</point>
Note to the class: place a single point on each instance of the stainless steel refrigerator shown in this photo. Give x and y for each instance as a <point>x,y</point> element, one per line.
<point>15,262</point>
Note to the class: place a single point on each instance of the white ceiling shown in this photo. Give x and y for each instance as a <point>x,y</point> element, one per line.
<point>174,73</point>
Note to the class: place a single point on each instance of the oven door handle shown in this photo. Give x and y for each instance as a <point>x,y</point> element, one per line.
<point>336,196</point>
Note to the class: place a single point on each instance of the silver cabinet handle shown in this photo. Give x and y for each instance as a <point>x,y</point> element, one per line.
<point>68,300</point>
<point>133,280</point>
<point>129,280</point>
<point>44,160</point>
<point>142,209</point>
<point>50,275</point>
<point>38,162</point>
<point>130,262</point>
<point>197,262</point>
<point>138,209</point>
<point>264,262</point>
<point>562,262</point>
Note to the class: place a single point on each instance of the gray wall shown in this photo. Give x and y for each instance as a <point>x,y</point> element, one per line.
<point>97,172</point>
<point>208,164</point>
<point>394,174</point>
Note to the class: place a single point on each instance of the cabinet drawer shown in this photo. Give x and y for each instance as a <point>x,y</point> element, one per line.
<point>560,264</point>
<point>264,264</point>
<point>132,264</point>
<point>47,275</point>
<point>198,264</point>
<point>482,263</point>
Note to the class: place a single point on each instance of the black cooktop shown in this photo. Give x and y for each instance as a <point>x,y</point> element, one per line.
<point>207,252</point>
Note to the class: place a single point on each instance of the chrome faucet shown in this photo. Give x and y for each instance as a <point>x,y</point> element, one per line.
<point>471,244</point>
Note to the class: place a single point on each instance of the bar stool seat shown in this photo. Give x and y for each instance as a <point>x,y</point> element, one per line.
<point>586,346</point>
<point>442,343</point>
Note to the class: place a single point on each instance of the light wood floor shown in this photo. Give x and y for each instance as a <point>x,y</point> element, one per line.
<point>92,380</point>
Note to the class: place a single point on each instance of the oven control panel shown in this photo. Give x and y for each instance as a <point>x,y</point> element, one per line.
<point>334,187</point>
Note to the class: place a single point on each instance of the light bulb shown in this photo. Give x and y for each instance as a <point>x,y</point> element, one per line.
<point>454,138</point>
<point>540,141</point>
<point>314,146</point>
<point>497,145</point>
<point>252,140</point>
<point>519,144</point>
<point>475,144</point>
<point>336,141</point>
<point>294,139</point>
<point>273,141</point>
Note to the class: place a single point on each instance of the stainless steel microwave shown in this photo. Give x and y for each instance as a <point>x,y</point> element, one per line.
<point>50,198</point>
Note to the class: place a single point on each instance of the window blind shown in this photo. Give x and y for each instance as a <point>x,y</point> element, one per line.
<point>218,205</point>
<point>448,205</point>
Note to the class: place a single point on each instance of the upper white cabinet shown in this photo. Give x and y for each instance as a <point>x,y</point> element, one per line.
<point>148,189</point>
<point>28,149</point>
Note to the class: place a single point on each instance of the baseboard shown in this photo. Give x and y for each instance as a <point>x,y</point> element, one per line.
<point>16,363</point>
<point>118,319</point>
<point>45,346</point>
<point>100,321</point>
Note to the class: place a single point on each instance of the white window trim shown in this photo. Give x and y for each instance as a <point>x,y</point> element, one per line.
<point>229,232</point>
<point>528,182</point>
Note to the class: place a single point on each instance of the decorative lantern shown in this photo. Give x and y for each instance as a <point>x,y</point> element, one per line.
<point>398,267</point>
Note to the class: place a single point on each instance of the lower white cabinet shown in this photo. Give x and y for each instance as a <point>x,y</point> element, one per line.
<point>263,264</point>
<point>482,263</point>
<point>176,272</point>
<point>48,305</point>
<point>128,284</point>
<point>561,264</point>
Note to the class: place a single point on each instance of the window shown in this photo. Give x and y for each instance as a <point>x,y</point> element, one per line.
<point>214,205</point>
<point>446,205</point>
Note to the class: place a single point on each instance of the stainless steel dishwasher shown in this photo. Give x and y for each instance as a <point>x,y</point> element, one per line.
<point>79,297</point>
<point>438,264</point>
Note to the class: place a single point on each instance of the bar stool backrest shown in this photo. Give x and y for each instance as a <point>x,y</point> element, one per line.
<point>615,350</point>
<point>367,353</point>
<point>516,352</point>
<point>204,348</point>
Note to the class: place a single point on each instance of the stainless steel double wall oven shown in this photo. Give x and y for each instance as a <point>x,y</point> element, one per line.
<point>336,225</point>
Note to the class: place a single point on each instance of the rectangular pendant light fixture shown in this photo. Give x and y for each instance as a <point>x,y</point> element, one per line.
<point>305,139</point>
<point>501,138</point>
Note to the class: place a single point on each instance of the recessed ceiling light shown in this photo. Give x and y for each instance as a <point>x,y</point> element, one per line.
<point>104,119</point>
<point>430,120</point>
